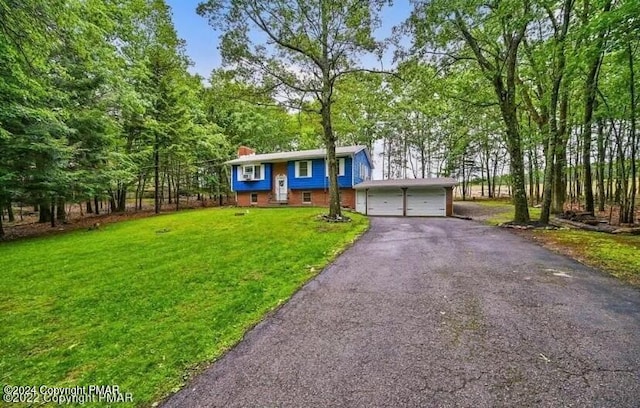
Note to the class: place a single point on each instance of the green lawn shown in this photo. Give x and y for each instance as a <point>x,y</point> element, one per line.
<point>617,254</point>
<point>143,303</point>
<point>505,211</point>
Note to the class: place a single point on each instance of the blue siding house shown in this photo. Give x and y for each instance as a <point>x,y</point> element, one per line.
<point>297,178</point>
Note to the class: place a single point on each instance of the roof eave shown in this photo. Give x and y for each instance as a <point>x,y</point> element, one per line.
<point>395,184</point>
<point>257,159</point>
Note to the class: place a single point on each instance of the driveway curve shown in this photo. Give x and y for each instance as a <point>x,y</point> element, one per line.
<point>442,313</point>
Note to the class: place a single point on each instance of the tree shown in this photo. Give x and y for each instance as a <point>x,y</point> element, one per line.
<point>491,35</point>
<point>302,50</point>
<point>549,79</point>
<point>32,129</point>
<point>594,57</point>
<point>248,116</point>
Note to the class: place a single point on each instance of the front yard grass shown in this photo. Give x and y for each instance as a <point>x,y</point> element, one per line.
<point>145,303</point>
<point>505,211</point>
<point>619,255</point>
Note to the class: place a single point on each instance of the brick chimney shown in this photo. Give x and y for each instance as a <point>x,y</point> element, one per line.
<point>245,151</point>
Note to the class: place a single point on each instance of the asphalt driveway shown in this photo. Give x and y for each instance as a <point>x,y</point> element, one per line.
<point>443,313</point>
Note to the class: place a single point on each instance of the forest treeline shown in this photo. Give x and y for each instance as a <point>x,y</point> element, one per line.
<point>98,104</point>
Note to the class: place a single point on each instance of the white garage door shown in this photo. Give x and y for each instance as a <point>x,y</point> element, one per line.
<point>385,202</point>
<point>426,202</point>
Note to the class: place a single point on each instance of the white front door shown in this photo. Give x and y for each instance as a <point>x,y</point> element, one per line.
<point>281,188</point>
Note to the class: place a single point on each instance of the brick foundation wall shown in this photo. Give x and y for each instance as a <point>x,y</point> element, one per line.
<point>244,199</point>
<point>319,198</point>
<point>449,192</point>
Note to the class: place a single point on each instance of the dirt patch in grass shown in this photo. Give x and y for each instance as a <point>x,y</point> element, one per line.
<point>29,227</point>
<point>492,212</point>
<point>481,212</point>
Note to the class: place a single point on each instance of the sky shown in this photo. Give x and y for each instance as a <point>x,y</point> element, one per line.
<point>202,40</point>
<point>202,44</point>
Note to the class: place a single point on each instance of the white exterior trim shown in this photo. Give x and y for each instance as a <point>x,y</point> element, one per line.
<point>342,165</point>
<point>309,169</point>
<point>240,172</point>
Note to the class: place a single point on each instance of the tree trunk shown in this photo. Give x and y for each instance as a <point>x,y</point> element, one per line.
<point>177,188</point>
<point>389,160</point>
<point>577,194</point>
<point>621,176</point>
<point>508,108</point>
<point>610,173</point>
<point>530,163</point>
<point>548,178</point>
<point>156,169</point>
<point>555,129</point>
<point>560,168</point>
<point>536,169</point>
<point>45,211</point>
<point>326,96</point>
<point>589,203</point>
<point>423,158</point>
<point>601,166</point>
<point>53,212</point>
<point>590,87</point>
<point>144,185</point>
<point>95,204</point>
<point>464,186</point>
<point>560,178</point>
<point>330,144</point>
<point>506,93</point>
<point>89,209</point>
<point>489,180</point>
<point>61,213</point>
<point>122,198</point>
<point>481,176</point>
<point>10,214</point>
<point>632,137</point>
<point>494,176</point>
<point>169,184</point>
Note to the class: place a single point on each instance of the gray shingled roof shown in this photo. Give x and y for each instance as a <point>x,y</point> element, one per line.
<point>298,155</point>
<point>401,183</point>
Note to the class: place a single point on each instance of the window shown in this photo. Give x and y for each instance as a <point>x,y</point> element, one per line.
<point>251,172</point>
<point>363,171</point>
<point>341,167</point>
<point>306,197</point>
<point>254,198</point>
<point>303,169</point>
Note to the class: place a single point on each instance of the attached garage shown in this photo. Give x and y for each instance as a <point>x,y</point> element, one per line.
<point>407,197</point>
